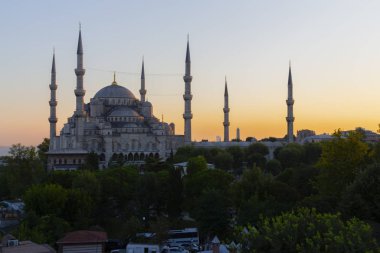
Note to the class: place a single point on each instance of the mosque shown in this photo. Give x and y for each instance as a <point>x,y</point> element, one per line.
<point>116,123</point>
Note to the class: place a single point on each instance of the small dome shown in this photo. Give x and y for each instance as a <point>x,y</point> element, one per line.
<point>114,91</point>
<point>146,104</point>
<point>124,111</point>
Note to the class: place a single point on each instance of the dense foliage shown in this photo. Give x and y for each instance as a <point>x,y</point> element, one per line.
<point>290,203</point>
<point>305,230</point>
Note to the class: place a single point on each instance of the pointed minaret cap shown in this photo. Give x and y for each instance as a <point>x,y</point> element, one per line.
<point>188,50</point>
<point>142,69</point>
<point>80,48</point>
<point>53,64</point>
<point>290,81</point>
<point>114,78</point>
<point>225,87</point>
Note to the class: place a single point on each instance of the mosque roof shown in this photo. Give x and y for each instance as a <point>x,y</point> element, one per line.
<point>114,91</point>
<point>124,111</point>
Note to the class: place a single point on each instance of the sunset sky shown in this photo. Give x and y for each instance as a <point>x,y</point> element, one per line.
<point>334,48</point>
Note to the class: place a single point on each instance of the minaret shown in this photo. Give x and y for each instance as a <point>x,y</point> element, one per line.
<point>187,96</point>
<point>79,72</point>
<point>226,111</point>
<point>142,89</point>
<point>290,102</point>
<point>53,104</point>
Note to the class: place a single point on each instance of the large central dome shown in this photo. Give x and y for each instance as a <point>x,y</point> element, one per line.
<point>114,91</point>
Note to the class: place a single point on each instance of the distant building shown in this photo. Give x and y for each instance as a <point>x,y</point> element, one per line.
<point>369,136</point>
<point>317,138</point>
<point>302,134</point>
<point>83,241</point>
<point>9,244</point>
<point>272,146</point>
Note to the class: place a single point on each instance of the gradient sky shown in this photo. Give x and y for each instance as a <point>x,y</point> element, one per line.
<point>334,47</point>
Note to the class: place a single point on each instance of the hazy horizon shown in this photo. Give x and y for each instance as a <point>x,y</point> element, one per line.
<point>334,48</point>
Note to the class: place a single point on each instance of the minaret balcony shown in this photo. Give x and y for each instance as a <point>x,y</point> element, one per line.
<point>53,103</point>
<point>290,119</point>
<point>226,110</point>
<point>187,97</point>
<point>187,78</point>
<point>80,72</point>
<point>226,124</point>
<point>290,101</point>
<point>187,115</point>
<point>142,92</point>
<point>79,93</point>
<point>53,120</point>
<point>53,86</point>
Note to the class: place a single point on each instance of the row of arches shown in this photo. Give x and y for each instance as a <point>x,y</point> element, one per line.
<point>131,157</point>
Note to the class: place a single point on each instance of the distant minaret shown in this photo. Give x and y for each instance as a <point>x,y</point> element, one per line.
<point>187,96</point>
<point>290,102</point>
<point>142,90</point>
<point>238,134</point>
<point>226,111</point>
<point>53,103</point>
<point>79,71</point>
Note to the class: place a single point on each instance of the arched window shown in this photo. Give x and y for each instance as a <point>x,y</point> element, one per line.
<point>130,157</point>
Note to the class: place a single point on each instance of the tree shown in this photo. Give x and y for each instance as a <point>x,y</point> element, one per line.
<point>196,164</point>
<point>223,160</point>
<point>301,178</point>
<point>305,230</point>
<point>87,182</point>
<point>78,209</point>
<point>237,155</point>
<point>362,198</point>
<point>202,181</point>
<point>258,148</point>
<point>312,152</point>
<point>118,188</point>
<point>175,193</point>
<point>92,161</point>
<point>42,149</point>
<point>24,168</point>
<point>212,212</point>
<point>342,159</point>
<point>49,199</point>
<point>255,154</point>
<point>273,167</point>
<point>291,155</point>
<point>258,194</point>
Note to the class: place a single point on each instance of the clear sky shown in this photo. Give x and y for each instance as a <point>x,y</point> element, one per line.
<point>334,47</point>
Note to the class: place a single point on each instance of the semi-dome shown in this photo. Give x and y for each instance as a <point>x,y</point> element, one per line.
<point>124,111</point>
<point>114,91</point>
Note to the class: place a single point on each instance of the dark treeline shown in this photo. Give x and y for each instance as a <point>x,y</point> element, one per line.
<point>316,196</point>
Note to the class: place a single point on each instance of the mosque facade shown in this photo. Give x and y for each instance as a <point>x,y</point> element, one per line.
<point>114,122</point>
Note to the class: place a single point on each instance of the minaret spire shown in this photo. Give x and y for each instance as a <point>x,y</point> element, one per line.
<point>79,72</point>
<point>142,89</point>
<point>226,111</point>
<point>53,104</point>
<point>187,96</point>
<point>114,78</point>
<point>290,103</point>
